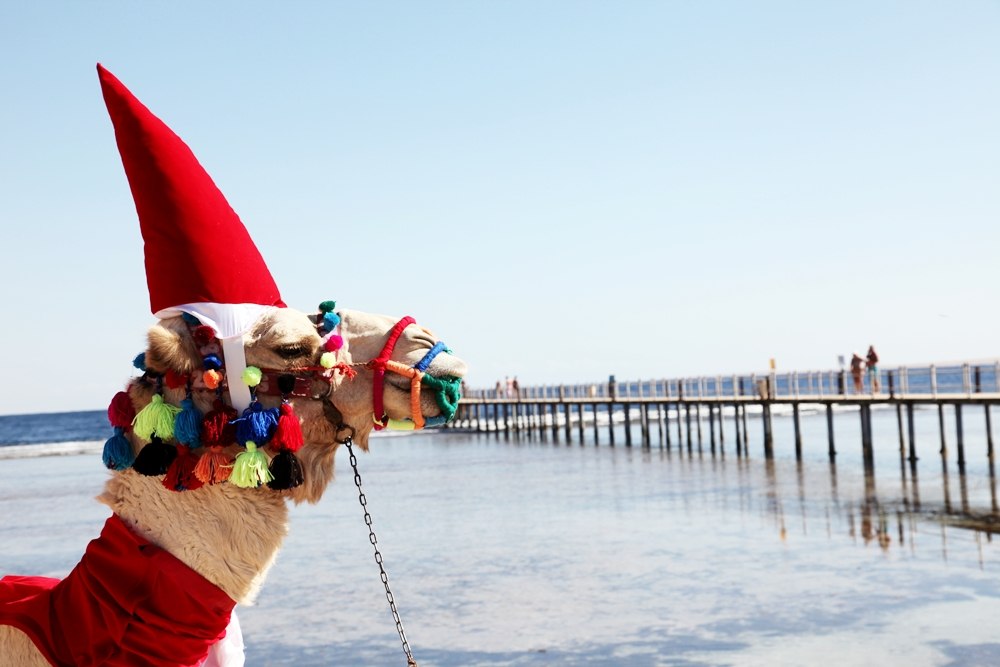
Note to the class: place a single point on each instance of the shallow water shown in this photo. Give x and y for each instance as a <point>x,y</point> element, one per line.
<point>517,552</point>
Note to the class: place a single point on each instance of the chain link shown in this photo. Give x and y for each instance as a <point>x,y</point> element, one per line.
<point>410,662</point>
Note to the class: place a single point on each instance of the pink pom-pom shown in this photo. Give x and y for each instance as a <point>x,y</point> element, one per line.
<point>121,412</point>
<point>333,343</point>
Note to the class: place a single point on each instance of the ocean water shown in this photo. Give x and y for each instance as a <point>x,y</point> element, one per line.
<point>507,551</point>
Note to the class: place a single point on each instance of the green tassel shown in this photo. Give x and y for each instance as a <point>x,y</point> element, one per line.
<point>157,417</point>
<point>250,469</point>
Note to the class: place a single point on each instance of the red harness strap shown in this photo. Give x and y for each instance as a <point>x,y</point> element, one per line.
<point>126,603</point>
<point>378,366</point>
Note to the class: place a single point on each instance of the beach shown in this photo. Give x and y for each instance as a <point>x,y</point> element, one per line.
<point>518,552</point>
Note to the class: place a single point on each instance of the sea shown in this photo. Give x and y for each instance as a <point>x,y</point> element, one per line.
<point>508,550</point>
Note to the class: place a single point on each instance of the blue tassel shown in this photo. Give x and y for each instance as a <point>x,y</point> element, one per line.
<point>187,425</point>
<point>330,321</point>
<point>256,425</point>
<point>118,451</point>
<point>140,361</point>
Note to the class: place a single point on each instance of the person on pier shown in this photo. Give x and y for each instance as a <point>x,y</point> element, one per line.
<point>871,363</point>
<point>857,365</point>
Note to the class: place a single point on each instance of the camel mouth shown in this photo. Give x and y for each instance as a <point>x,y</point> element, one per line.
<point>397,382</point>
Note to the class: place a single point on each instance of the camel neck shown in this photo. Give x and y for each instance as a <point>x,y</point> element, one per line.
<point>228,535</point>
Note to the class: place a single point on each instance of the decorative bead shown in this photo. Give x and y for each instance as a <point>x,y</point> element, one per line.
<point>203,335</point>
<point>333,343</point>
<point>330,321</point>
<point>252,376</point>
<point>327,306</point>
<point>212,379</point>
<point>328,360</point>
<point>211,362</point>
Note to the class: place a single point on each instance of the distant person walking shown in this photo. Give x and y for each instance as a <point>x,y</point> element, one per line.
<point>857,365</point>
<point>871,363</point>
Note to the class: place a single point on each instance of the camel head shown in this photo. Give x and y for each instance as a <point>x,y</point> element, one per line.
<point>235,387</point>
<point>326,368</point>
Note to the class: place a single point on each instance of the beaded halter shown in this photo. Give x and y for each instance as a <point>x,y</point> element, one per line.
<point>446,389</point>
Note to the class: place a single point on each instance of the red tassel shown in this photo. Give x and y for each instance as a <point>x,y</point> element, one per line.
<point>217,427</point>
<point>180,475</point>
<point>121,412</point>
<point>344,369</point>
<point>288,435</point>
<point>214,466</point>
<point>175,380</point>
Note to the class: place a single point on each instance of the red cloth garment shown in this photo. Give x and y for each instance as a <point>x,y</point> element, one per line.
<point>128,602</point>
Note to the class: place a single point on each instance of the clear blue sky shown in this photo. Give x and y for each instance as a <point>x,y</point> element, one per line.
<point>562,190</point>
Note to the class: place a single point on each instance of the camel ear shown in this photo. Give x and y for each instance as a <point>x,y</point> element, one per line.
<point>171,347</point>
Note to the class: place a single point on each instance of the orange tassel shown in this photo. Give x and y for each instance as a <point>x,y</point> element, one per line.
<point>214,466</point>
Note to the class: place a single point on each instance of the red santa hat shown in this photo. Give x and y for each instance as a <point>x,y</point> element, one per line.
<point>199,257</point>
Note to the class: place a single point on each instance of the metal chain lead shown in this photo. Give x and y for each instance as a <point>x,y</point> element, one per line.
<point>410,662</point>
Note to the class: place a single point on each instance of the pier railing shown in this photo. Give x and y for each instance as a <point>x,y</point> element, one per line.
<point>688,402</point>
<point>901,382</point>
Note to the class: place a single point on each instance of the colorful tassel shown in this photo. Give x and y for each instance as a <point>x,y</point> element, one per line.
<point>118,454</point>
<point>157,417</point>
<point>211,362</point>
<point>187,425</point>
<point>217,428</point>
<point>217,432</point>
<point>155,458</point>
<point>214,466</point>
<point>286,471</point>
<point>256,424</point>
<point>327,307</point>
<point>250,469</point>
<point>121,412</point>
<point>140,361</point>
<point>180,475</point>
<point>328,360</point>
<point>288,433</point>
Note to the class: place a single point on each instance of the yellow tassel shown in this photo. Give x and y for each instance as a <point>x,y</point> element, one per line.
<point>250,469</point>
<point>157,417</point>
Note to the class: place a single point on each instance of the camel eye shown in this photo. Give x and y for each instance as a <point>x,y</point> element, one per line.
<point>292,351</point>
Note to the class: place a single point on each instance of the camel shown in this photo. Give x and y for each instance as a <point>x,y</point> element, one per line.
<point>231,535</point>
<point>238,408</point>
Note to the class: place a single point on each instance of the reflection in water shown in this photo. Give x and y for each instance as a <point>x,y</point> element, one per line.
<point>873,514</point>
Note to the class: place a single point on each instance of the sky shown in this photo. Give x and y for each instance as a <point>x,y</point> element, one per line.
<point>562,190</point>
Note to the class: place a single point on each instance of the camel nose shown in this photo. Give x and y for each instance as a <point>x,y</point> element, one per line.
<point>448,364</point>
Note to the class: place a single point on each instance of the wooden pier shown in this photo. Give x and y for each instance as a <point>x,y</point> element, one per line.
<point>681,411</point>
